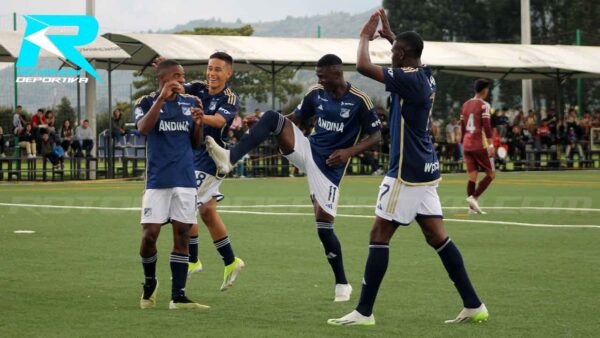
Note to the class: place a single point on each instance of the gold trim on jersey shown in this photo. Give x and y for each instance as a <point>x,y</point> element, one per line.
<point>409,69</point>
<point>231,98</point>
<point>366,99</point>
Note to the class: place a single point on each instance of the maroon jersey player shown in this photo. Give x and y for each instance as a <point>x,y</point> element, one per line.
<point>477,143</point>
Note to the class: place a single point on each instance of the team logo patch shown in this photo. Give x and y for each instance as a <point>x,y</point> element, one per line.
<point>212,106</point>
<point>147,212</point>
<point>391,72</point>
<point>345,113</point>
<point>187,111</point>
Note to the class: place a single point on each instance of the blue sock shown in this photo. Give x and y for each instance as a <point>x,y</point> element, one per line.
<point>377,263</point>
<point>269,123</point>
<point>179,268</point>
<point>333,250</point>
<point>224,248</point>
<point>149,265</point>
<point>453,263</point>
<point>193,247</point>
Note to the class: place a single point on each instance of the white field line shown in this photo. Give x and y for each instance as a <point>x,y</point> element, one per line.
<point>245,212</point>
<point>360,206</point>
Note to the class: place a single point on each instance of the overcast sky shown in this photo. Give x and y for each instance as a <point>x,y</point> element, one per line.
<point>139,15</point>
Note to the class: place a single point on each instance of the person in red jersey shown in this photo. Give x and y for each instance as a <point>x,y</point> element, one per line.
<point>477,143</point>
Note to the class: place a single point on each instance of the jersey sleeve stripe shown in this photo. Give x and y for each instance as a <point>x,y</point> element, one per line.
<point>231,98</point>
<point>366,99</point>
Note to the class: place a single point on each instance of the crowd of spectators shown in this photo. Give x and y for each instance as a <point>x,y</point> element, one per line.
<point>41,137</point>
<point>534,133</point>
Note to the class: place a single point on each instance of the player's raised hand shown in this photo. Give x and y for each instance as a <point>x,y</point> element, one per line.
<point>386,30</point>
<point>338,158</point>
<point>250,120</point>
<point>157,60</point>
<point>170,88</point>
<point>370,28</point>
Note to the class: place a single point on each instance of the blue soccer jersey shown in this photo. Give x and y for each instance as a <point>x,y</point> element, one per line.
<point>413,159</point>
<point>226,104</point>
<point>339,124</point>
<point>170,159</point>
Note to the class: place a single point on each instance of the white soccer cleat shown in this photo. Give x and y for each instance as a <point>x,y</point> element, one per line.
<point>353,318</point>
<point>342,292</point>
<point>474,212</point>
<point>477,315</point>
<point>474,205</point>
<point>219,155</point>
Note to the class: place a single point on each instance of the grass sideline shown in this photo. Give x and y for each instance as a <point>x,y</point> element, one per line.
<point>79,273</point>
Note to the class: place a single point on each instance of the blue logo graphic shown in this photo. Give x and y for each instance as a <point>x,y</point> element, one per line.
<point>60,45</point>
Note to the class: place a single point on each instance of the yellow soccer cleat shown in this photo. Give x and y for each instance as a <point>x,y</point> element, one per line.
<point>148,299</point>
<point>194,268</point>
<point>231,272</point>
<point>477,315</point>
<point>184,303</point>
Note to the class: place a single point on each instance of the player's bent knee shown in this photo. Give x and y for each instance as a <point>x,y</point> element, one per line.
<point>491,174</point>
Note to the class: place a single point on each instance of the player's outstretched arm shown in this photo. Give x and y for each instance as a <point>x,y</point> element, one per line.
<point>341,156</point>
<point>363,62</point>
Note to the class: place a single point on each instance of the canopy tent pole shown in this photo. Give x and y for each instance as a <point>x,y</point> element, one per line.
<point>109,145</point>
<point>273,85</point>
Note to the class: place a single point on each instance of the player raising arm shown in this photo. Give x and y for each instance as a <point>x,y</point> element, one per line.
<point>172,123</point>
<point>409,189</point>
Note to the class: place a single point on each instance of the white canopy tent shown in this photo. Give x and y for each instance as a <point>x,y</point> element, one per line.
<point>507,61</point>
<point>491,60</point>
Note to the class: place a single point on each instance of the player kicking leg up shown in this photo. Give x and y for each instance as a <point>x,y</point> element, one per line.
<point>343,113</point>
<point>286,133</point>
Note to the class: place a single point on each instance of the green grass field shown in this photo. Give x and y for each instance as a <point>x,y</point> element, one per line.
<point>79,273</point>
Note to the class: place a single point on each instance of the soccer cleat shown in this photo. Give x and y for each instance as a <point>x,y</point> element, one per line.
<point>477,315</point>
<point>219,155</point>
<point>474,212</point>
<point>353,318</point>
<point>148,299</point>
<point>231,272</point>
<point>342,292</point>
<point>474,205</point>
<point>184,303</point>
<point>194,268</point>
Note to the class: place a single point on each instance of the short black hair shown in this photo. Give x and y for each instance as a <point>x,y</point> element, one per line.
<point>43,131</point>
<point>19,106</point>
<point>222,56</point>
<point>413,41</point>
<point>480,85</point>
<point>329,60</point>
<point>41,110</point>
<point>166,64</point>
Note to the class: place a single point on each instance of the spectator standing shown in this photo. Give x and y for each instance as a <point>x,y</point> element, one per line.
<point>2,143</point>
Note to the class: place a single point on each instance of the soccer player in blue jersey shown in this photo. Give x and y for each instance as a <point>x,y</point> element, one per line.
<point>221,105</point>
<point>172,123</point>
<point>343,114</point>
<point>409,190</point>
